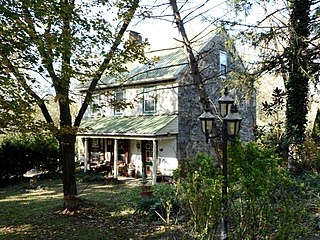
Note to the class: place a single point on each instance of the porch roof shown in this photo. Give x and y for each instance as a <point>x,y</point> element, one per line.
<point>130,126</point>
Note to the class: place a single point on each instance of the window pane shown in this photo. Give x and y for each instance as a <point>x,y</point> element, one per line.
<point>95,106</point>
<point>149,100</point>
<point>223,70</point>
<point>119,100</point>
<point>223,64</point>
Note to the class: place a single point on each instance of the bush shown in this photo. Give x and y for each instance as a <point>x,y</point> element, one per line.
<point>19,154</point>
<point>264,200</point>
<point>310,157</point>
<point>91,177</point>
<point>200,196</point>
<point>167,205</point>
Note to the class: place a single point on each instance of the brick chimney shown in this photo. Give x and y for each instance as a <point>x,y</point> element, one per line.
<point>133,36</point>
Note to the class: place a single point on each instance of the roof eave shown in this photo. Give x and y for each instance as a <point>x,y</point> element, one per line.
<point>88,134</point>
<point>135,83</point>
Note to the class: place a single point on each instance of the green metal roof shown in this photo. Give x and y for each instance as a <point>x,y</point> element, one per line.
<point>140,125</point>
<point>168,66</point>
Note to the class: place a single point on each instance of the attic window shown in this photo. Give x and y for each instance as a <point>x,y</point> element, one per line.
<point>149,100</point>
<point>223,64</point>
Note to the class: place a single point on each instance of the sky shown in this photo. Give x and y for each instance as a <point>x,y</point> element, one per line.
<point>163,33</point>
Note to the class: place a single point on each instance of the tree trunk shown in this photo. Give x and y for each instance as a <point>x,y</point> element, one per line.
<point>193,63</point>
<point>297,84</point>
<point>67,147</point>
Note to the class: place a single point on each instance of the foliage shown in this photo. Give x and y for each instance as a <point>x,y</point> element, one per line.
<point>284,38</point>
<point>299,67</point>
<point>20,153</point>
<point>263,198</point>
<point>273,134</point>
<point>166,194</point>
<point>162,205</point>
<point>90,177</point>
<point>146,206</point>
<point>310,157</point>
<point>56,43</point>
<point>200,196</point>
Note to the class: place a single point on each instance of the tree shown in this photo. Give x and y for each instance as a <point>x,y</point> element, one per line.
<point>286,38</point>
<point>61,42</point>
<point>297,83</point>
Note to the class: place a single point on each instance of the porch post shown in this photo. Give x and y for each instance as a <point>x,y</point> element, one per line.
<point>105,148</point>
<point>80,148</point>
<point>115,162</point>
<point>154,163</point>
<point>86,155</point>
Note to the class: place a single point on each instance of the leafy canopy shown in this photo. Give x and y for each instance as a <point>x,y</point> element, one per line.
<point>48,46</point>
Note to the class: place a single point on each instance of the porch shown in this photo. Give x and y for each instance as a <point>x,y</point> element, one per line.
<point>140,147</point>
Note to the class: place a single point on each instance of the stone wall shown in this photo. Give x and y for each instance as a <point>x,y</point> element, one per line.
<point>191,138</point>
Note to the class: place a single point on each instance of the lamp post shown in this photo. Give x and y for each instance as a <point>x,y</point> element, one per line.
<point>230,128</point>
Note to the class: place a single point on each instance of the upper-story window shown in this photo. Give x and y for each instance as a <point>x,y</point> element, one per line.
<point>223,64</point>
<point>119,103</point>
<point>149,99</point>
<point>95,106</point>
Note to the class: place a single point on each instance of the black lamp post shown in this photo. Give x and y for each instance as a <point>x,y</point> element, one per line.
<point>230,128</point>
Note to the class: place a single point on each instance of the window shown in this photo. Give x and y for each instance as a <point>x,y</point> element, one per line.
<point>119,103</point>
<point>95,106</point>
<point>149,100</point>
<point>223,64</point>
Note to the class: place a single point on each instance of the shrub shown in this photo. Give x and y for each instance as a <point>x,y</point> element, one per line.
<point>167,205</point>
<point>264,200</point>
<point>310,160</point>
<point>19,154</point>
<point>200,196</point>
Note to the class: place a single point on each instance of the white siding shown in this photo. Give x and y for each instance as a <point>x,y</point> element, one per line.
<point>167,158</point>
<point>167,101</point>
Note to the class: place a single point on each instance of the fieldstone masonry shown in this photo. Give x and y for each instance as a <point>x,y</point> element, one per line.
<point>191,138</point>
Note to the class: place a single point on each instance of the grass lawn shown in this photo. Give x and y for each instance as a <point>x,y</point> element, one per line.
<point>105,212</point>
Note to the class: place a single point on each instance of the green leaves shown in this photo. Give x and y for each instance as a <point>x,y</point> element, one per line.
<point>58,42</point>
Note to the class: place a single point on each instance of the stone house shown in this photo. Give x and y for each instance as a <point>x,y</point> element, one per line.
<point>155,126</point>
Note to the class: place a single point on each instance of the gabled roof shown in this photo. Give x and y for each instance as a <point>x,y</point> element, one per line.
<point>170,63</point>
<point>166,67</point>
<point>131,126</point>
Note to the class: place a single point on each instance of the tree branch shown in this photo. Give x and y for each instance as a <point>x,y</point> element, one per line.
<point>40,102</point>
<point>97,76</point>
<point>46,55</point>
<point>194,69</point>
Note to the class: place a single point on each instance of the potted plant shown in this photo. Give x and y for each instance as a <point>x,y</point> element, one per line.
<point>145,189</point>
<point>145,186</point>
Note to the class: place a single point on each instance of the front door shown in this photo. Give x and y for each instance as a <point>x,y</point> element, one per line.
<point>147,158</point>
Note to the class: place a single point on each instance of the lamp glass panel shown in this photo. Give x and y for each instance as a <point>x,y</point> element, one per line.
<point>209,126</point>
<point>231,126</point>
<point>204,126</point>
<point>238,127</point>
<point>223,109</point>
